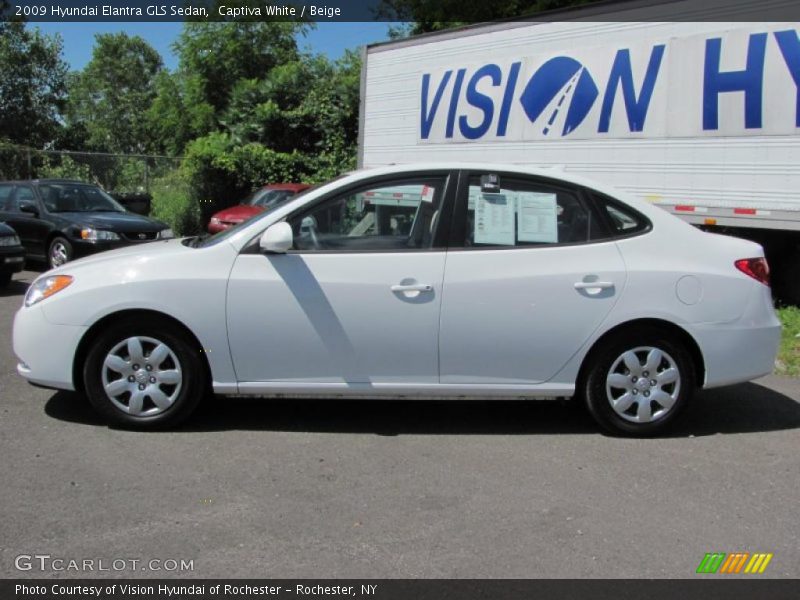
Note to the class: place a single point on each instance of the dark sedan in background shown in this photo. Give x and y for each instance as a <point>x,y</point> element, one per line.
<point>58,220</point>
<point>12,255</point>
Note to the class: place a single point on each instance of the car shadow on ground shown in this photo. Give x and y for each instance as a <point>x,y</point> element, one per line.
<point>745,408</point>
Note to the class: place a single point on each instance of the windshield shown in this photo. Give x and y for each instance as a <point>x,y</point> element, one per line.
<point>270,198</point>
<point>75,197</point>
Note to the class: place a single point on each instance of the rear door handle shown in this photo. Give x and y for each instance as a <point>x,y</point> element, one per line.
<point>414,287</point>
<point>589,285</point>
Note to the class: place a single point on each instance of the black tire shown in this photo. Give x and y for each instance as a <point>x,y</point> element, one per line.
<point>59,247</point>
<point>598,395</point>
<point>193,374</point>
<point>5,279</point>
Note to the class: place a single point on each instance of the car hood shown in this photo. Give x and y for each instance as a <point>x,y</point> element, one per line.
<point>114,221</point>
<point>238,213</point>
<point>139,252</point>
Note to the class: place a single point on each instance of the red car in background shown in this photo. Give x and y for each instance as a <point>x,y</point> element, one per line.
<point>262,199</point>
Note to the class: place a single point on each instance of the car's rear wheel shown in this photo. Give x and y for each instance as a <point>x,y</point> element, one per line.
<point>5,278</point>
<point>639,382</point>
<point>144,375</point>
<point>60,252</point>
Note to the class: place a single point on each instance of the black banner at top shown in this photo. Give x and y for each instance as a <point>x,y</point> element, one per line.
<point>398,589</point>
<point>450,11</point>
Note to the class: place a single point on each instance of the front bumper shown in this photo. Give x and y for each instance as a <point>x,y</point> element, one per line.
<point>45,351</point>
<point>12,259</point>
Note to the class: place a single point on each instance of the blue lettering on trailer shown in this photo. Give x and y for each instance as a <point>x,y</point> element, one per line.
<point>750,81</point>
<point>622,74</point>
<point>561,94</point>
<point>789,43</point>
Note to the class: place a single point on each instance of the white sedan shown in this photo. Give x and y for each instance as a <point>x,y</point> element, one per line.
<point>418,281</point>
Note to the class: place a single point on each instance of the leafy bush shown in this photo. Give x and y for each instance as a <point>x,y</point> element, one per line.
<point>220,173</point>
<point>65,167</point>
<point>173,204</point>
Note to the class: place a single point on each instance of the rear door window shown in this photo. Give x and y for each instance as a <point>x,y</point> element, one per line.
<point>524,213</point>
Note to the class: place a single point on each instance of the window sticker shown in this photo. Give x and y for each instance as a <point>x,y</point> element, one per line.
<point>537,219</point>
<point>427,193</point>
<point>494,219</point>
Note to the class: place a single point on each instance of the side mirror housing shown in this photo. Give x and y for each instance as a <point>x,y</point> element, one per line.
<point>29,207</point>
<point>277,239</point>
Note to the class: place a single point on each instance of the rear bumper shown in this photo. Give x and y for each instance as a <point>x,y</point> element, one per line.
<point>45,351</point>
<point>744,349</point>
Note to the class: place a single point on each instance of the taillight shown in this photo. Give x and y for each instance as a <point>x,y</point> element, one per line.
<point>757,268</point>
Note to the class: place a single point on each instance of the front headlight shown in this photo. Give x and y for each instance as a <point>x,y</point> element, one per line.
<point>9,240</point>
<point>44,287</point>
<point>166,234</point>
<point>216,221</point>
<point>90,234</point>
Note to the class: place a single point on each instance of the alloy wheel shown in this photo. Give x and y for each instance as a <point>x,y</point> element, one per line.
<point>58,254</point>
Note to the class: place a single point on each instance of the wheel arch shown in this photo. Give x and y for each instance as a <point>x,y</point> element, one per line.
<point>91,333</point>
<point>676,331</point>
<point>53,234</point>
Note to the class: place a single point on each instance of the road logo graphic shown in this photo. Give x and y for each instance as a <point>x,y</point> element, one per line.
<point>559,80</point>
<point>734,563</point>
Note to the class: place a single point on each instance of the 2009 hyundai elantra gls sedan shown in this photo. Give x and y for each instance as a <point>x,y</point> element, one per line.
<point>418,281</point>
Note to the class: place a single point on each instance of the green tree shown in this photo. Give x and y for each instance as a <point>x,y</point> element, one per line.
<point>172,119</point>
<point>32,84</point>
<point>108,97</point>
<point>246,108</point>
<point>214,57</point>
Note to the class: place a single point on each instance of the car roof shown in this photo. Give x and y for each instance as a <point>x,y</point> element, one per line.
<point>558,173</point>
<point>555,172</point>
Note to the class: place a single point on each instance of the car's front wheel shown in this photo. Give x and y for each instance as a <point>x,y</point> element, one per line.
<point>144,375</point>
<point>638,383</point>
<point>60,252</point>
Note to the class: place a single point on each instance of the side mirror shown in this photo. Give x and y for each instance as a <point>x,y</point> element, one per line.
<point>29,207</point>
<point>277,239</point>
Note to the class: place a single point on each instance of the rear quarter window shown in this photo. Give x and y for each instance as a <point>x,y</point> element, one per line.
<point>620,220</point>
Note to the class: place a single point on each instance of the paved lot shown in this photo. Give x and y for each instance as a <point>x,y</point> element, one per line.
<point>264,488</point>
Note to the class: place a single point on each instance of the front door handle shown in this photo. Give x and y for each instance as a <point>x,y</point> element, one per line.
<point>413,287</point>
<point>589,285</point>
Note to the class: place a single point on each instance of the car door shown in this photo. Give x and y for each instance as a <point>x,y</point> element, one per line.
<point>6,192</point>
<point>30,227</point>
<point>524,286</point>
<point>356,302</point>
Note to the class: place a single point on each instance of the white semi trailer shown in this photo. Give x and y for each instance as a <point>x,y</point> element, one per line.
<point>700,118</point>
